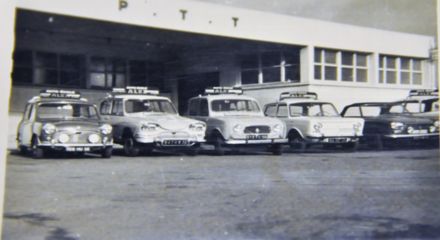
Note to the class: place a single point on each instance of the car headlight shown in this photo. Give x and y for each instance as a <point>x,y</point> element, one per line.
<point>397,125</point>
<point>106,129</point>
<point>237,128</point>
<point>410,130</point>
<point>436,124</point>
<point>94,138</point>
<point>357,126</point>
<point>277,128</point>
<point>63,138</point>
<point>317,127</point>
<point>149,127</point>
<point>198,127</point>
<point>49,128</point>
<point>433,129</point>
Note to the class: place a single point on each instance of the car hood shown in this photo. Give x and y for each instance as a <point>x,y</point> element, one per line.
<point>77,125</point>
<point>167,121</point>
<point>406,119</point>
<point>250,120</point>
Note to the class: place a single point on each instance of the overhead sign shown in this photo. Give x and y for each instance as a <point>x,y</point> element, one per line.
<point>423,92</point>
<point>57,93</point>
<point>298,94</point>
<point>135,91</point>
<point>224,90</point>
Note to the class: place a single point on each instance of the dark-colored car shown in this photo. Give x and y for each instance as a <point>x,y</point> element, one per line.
<point>386,124</point>
<point>60,120</point>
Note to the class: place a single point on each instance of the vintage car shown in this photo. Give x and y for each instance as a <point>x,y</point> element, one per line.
<point>385,124</point>
<point>61,120</point>
<point>420,102</point>
<point>312,122</point>
<point>234,119</point>
<point>142,121</point>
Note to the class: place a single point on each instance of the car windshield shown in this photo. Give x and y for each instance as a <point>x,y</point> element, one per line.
<point>235,105</point>
<point>313,110</point>
<point>149,106</point>
<point>70,111</point>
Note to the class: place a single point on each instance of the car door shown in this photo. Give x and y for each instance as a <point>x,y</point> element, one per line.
<point>24,134</point>
<point>117,118</point>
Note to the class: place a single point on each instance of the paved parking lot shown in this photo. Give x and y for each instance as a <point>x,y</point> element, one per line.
<point>324,195</point>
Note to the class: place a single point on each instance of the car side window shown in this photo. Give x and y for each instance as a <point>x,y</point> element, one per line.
<point>352,112</point>
<point>105,108</point>
<point>204,108</point>
<point>31,112</point>
<point>27,112</point>
<point>117,107</point>
<point>282,110</point>
<point>193,107</point>
<point>270,110</point>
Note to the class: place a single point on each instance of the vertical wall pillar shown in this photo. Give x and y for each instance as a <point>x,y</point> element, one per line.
<point>7,18</point>
<point>306,64</point>
<point>373,72</point>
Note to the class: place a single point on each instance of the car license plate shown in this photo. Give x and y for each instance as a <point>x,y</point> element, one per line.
<point>256,137</point>
<point>337,140</point>
<point>174,142</point>
<point>77,149</point>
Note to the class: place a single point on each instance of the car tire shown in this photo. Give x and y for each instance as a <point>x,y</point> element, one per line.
<point>351,147</point>
<point>276,149</point>
<point>107,152</point>
<point>218,145</point>
<point>297,144</point>
<point>37,152</point>
<point>131,147</point>
<point>379,142</point>
<point>193,151</point>
<point>22,149</point>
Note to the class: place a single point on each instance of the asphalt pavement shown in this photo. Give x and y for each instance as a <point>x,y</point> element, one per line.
<point>244,195</point>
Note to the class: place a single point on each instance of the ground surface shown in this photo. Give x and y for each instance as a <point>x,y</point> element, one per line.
<point>315,195</point>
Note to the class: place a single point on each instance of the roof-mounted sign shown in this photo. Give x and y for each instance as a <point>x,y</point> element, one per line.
<point>135,91</point>
<point>224,90</point>
<point>298,94</point>
<point>423,92</point>
<point>58,93</point>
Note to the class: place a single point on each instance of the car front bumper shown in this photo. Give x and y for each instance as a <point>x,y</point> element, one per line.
<point>332,140</point>
<point>169,141</point>
<point>75,147</point>
<point>413,136</point>
<point>256,141</point>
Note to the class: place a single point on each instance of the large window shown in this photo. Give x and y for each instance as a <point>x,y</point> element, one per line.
<point>48,69</point>
<point>270,66</point>
<point>145,73</point>
<point>400,70</point>
<point>333,65</point>
<point>107,73</point>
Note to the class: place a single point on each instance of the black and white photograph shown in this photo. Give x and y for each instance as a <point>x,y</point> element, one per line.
<point>219,119</point>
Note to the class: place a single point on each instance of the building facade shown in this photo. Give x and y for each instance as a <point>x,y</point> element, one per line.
<point>181,47</point>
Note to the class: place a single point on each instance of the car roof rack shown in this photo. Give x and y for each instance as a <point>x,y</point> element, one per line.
<point>135,90</point>
<point>224,90</point>
<point>298,94</point>
<point>423,92</point>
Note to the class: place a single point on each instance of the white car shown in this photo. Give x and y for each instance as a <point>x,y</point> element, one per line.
<point>234,119</point>
<point>60,120</point>
<point>310,121</point>
<point>143,121</point>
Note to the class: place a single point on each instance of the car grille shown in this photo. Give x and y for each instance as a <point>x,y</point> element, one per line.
<point>257,129</point>
<point>80,137</point>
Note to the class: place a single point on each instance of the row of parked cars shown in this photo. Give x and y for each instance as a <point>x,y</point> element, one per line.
<point>140,120</point>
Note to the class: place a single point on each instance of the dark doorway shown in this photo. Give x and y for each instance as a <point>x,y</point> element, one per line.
<point>193,85</point>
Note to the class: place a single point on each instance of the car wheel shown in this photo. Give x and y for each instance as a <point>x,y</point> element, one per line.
<point>297,144</point>
<point>131,148</point>
<point>107,152</point>
<point>194,150</point>
<point>37,152</point>
<point>218,145</point>
<point>276,149</point>
<point>378,142</point>
<point>22,149</point>
<point>352,147</point>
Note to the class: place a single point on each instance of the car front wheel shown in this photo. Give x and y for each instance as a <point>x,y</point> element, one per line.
<point>131,147</point>
<point>297,144</point>
<point>37,152</point>
<point>218,145</point>
<point>107,152</point>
